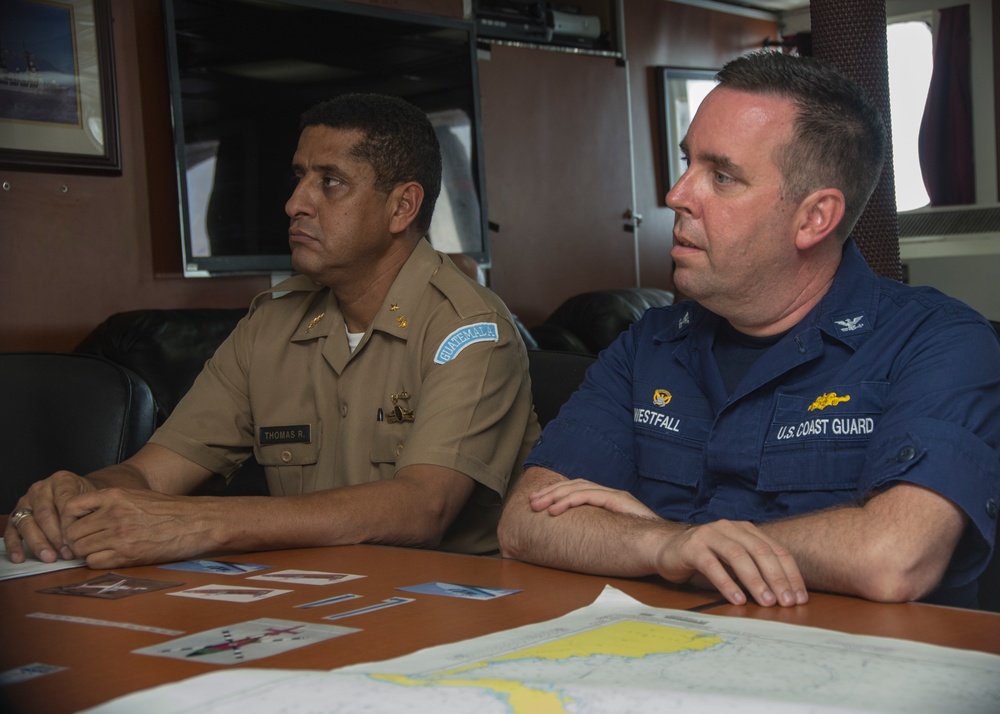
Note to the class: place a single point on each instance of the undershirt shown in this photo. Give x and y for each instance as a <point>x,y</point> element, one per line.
<point>735,352</point>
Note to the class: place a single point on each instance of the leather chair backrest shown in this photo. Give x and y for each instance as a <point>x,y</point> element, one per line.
<point>67,411</point>
<point>591,321</point>
<point>167,348</point>
<point>554,378</point>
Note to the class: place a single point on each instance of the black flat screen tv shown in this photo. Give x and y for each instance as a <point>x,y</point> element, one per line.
<point>243,71</point>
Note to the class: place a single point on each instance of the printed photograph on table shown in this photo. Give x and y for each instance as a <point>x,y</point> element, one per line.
<point>306,577</point>
<point>219,567</point>
<point>58,103</point>
<point>230,593</point>
<point>111,586</point>
<point>245,641</point>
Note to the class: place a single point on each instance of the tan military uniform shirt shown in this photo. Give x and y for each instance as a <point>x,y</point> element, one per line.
<point>440,377</point>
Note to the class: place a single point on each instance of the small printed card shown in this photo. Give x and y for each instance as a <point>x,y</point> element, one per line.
<point>245,641</point>
<point>306,577</point>
<point>470,592</point>
<point>111,586</point>
<point>230,593</point>
<point>28,671</point>
<point>218,567</point>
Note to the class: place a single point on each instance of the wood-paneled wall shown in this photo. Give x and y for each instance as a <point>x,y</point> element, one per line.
<point>75,248</point>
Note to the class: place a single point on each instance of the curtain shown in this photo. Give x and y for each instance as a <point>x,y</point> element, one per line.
<point>945,142</point>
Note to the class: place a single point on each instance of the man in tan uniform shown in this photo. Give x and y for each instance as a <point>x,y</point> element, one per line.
<point>385,394</point>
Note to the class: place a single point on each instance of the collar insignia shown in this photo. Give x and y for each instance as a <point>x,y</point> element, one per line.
<point>850,324</point>
<point>314,321</point>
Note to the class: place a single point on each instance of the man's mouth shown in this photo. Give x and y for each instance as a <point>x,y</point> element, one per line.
<point>680,242</point>
<point>298,235</point>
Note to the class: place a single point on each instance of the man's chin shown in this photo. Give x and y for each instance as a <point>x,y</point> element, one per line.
<point>301,264</point>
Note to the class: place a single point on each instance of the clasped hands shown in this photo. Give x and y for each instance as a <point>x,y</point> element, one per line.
<point>730,556</point>
<point>110,527</point>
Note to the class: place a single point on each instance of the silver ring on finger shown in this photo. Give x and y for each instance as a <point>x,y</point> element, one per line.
<point>19,515</point>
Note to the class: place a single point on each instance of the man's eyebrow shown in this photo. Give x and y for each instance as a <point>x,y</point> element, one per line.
<point>320,168</point>
<point>723,162</point>
<point>720,161</point>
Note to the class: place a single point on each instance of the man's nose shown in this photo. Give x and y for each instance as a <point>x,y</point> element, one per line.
<point>298,203</point>
<point>678,197</point>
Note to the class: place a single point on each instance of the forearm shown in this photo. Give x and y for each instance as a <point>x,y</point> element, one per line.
<point>121,475</point>
<point>893,548</point>
<point>155,468</point>
<point>581,525</point>
<point>585,538</point>
<point>117,526</point>
<point>392,512</point>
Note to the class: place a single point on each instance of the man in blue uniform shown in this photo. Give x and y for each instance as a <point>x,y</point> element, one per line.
<point>802,424</point>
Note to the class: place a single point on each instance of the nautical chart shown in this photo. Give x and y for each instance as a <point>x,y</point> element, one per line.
<point>618,656</point>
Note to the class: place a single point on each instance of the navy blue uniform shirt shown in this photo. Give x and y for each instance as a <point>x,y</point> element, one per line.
<point>880,383</point>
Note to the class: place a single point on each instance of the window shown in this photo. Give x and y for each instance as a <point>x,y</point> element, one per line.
<point>911,60</point>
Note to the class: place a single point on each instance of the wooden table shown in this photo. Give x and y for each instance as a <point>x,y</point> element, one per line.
<point>100,664</point>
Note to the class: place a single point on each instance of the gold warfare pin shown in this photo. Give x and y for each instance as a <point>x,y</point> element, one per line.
<point>399,413</point>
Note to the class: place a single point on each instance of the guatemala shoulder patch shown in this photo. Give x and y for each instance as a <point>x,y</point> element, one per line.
<point>461,338</point>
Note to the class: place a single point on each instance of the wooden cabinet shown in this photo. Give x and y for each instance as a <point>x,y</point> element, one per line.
<point>572,144</point>
<point>558,175</point>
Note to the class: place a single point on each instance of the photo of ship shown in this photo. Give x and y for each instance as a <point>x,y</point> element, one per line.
<point>29,79</point>
<point>38,64</point>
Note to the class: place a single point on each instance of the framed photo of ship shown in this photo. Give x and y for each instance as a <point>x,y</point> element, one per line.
<point>58,105</point>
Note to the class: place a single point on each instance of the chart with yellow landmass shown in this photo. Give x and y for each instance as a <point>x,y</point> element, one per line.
<point>618,656</point>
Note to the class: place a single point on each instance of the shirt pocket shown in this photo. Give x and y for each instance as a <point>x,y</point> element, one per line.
<point>819,442</point>
<point>387,447</point>
<point>288,467</point>
<point>670,440</point>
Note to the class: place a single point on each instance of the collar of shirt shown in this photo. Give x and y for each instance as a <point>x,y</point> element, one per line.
<point>399,309</point>
<point>847,312</point>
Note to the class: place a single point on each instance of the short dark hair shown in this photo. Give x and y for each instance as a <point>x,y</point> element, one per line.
<point>839,139</point>
<point>399,142</point>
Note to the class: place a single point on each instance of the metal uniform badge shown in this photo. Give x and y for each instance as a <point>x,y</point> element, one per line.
<point>315,321</point>
<point>400,319</point>
<point>399,413</point>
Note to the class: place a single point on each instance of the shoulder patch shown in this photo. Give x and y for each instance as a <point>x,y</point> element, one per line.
<point>461,338</point>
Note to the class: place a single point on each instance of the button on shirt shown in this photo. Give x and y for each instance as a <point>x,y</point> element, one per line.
<point>881,383</point>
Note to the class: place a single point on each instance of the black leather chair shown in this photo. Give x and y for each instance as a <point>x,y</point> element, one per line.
<point>168,349</point>
<point>591,321</point>
<point>554,377</point>
<point>67,411</point>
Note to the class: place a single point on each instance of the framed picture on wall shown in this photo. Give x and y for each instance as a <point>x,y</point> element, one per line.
<point>58,106</point>
<point>679,93</point>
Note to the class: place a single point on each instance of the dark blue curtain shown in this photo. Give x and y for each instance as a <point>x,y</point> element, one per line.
<point>946,156</point>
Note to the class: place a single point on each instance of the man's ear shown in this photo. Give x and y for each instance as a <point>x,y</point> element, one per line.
<point>405,201</point>
<point>818,216</point>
